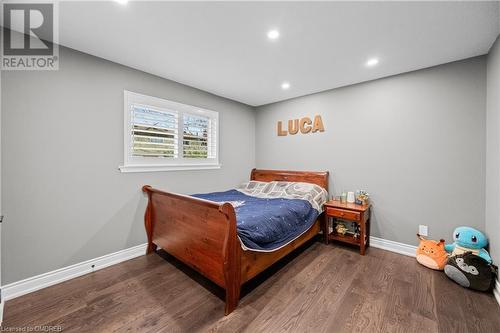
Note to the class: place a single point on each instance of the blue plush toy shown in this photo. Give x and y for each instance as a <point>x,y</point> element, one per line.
<point>469,240</point>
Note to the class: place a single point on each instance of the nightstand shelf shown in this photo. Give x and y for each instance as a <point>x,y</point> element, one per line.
<point>344,238</point>
<point>352,213</point>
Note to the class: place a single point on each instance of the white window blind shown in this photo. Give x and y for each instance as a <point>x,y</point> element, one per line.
<point>199,134</point>
<point>162,135</point>
<point>154,132</point>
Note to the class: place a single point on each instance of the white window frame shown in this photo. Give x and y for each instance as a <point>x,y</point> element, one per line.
<point>149,164</point>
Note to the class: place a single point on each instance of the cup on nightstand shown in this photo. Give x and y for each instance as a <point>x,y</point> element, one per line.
<point>343,197</point>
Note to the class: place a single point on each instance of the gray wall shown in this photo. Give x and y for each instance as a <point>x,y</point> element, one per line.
<point>62,142</point>
<point>493,151</point>
<point>415,142</point>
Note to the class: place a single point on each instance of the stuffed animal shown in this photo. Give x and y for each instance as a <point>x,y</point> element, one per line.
<point>471,271</point>
<point>431,253</point>
<point>341,229</point>
<point>469,240</point>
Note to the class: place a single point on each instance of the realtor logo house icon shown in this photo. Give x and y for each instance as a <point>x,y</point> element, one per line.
<point>29,36</point>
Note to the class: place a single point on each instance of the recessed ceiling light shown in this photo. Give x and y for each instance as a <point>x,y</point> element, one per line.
<point>372,62</point>
<point>273,34</point>
<point>285,85</point>
<point>122,2</point>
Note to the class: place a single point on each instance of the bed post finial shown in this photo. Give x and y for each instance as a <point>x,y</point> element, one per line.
<point>252,174</point>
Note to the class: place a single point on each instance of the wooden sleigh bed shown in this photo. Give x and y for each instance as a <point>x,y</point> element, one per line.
<point>202,234</point>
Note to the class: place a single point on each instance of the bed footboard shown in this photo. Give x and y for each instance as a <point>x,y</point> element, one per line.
<point>200,233</point>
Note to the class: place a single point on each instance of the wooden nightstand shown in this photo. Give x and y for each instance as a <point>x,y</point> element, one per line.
<point>360,214</point>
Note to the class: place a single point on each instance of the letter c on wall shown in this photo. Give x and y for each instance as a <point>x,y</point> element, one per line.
<point>305,125</point>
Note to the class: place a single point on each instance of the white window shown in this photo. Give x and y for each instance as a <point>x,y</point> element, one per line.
<point>162,135</point>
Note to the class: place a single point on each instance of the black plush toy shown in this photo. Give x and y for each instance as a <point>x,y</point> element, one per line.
<point>471,271</point>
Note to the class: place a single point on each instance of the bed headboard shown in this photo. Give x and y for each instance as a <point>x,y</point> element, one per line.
<point>319,178</point>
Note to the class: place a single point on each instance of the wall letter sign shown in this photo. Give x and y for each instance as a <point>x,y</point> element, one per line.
<point>304,125</point>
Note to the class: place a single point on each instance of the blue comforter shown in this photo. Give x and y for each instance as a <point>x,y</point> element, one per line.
<point>266,224</point>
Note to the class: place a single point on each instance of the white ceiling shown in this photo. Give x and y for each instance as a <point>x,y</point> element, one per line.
<point>223,48</point>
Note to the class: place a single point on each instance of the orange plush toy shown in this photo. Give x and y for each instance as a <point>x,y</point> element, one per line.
<point>431,253</point>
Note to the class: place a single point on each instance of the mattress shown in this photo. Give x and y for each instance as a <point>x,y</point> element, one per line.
<point>271,215</point>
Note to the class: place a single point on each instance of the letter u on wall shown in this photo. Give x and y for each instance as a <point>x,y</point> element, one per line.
<point>293,126</point>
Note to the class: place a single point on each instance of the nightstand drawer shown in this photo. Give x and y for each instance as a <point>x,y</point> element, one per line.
<point>343,214</point>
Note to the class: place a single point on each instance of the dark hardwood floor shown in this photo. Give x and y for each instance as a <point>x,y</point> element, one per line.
<point>322,288</point>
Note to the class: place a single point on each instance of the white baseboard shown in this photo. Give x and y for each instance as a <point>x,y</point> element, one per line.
<point>19,288</point>
<point>496,291</point>
<point>401,248</point>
